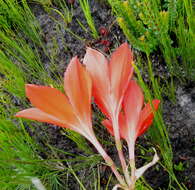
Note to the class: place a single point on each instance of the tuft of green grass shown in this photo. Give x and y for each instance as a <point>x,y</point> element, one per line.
<point>86,10</point>
<point>19,161</point>
<point>45,3</point>
<point>13,15</point>
<point>67,13</point>
<point>11,76</point>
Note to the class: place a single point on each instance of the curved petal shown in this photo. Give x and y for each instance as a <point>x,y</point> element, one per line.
<point>52,102</point>
<point>146,117</point>
<point>121,70</point>
<point>97,66</point>
<point>122,126</point>
<point>78,87</point>
<point>118,186</point>
<point>38,115</point>
<point>132,105</point>
<point>139,172</point>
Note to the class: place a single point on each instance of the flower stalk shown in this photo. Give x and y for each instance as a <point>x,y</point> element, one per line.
<point>119,149</point>
<point>110,163</point>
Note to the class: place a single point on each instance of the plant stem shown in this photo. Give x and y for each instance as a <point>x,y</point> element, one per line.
<point>131,147</point>
<point>119,149</point>
<point>110,162</point>
<point>133,177</point>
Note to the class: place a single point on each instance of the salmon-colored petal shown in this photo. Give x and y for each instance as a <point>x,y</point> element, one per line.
<point>132,105</point>
<point>146,117</point>
<point>97,66</point>
<point>122,126</point>
<point>38,115</point>
<point>78,87</point>
<point>145,125</point>
<point>52,102</point>
<point>121,70</point>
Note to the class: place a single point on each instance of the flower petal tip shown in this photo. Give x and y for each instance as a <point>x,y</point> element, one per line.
<point>75,58</point>
<point>125,44</point>
<point>17,115</point>
<point>91,52</point>
<point>156,103</point>
<point>30,87</point>
<point>20,114</point>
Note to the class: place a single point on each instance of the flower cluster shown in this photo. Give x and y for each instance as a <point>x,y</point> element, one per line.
<point>117,95</point>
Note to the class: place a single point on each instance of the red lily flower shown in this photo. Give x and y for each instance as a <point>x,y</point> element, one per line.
<point>112,90</point>
<point>52,106</point>
<point>110,79</point>
<point>72,111</point>
<point>135,120</point>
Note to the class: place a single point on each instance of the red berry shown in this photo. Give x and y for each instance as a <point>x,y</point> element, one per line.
<point>103,31</point>
<point>106,43</point>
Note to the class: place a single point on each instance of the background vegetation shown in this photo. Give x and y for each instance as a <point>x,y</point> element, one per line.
<point>165,28</point>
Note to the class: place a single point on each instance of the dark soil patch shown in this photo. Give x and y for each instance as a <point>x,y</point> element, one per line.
<point>181,121</point>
